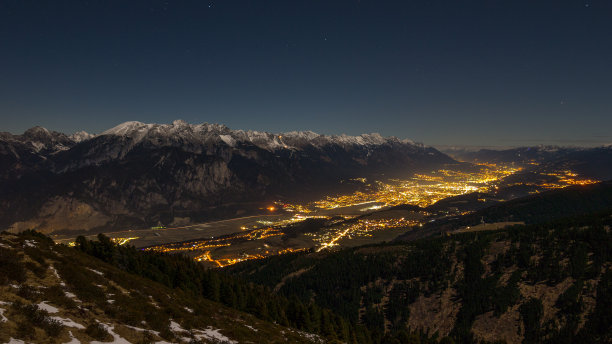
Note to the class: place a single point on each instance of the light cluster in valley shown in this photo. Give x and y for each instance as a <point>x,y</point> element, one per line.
<point>350,219</point>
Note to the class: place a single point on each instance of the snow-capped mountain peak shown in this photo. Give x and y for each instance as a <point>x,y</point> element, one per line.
<point>40,139</point>
<point>81,136</point>
<point>37,133</point>
<point>126,128</point>
<point>181,131</point>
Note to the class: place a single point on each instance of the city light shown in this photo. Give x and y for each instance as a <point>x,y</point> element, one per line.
<point>423,189</point>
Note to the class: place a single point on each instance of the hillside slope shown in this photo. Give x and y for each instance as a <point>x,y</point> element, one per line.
<point>539,283</point>
<point>56,294</point>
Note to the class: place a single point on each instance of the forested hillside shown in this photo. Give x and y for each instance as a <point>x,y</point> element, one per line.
<point>183,273</point>
<point>547,283</point>
<point>57,294</point>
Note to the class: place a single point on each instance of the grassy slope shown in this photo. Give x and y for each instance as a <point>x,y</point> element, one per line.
<point>29,263</point>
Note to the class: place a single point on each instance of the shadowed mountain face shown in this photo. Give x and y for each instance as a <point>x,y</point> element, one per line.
<point>140,174</point>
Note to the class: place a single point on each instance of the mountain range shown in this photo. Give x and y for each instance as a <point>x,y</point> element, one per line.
<point>136,174</point>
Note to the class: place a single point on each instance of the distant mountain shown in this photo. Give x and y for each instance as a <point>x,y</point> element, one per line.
<point>21,154</point>
<point>594,162</point>
<point>513,155</point>
<point>138,174</point>
<point>589,162</point>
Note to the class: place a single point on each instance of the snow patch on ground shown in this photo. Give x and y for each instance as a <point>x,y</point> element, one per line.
<point>251,328</point>
<point>44,306</point>
<point>312,337</point>
<point>207,334</point>
<point>72,339</point>
<point>29,243</point>
<point>153,303</point>
<point>189,309</point>
<point>15,341</point>
<point>2,317</point>
<point>4,246</point>
<point>117,339</point>
<point>212,334</point>
<point>52,268</point>
<point>141,329</point>
<point>96,271</point>
<point>72,296</point>
<point>176,327</point>
<point>68,322</point>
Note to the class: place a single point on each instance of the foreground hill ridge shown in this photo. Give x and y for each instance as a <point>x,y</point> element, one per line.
<point>55,294</point>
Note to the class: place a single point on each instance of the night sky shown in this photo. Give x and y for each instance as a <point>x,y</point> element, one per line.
<point>440,72</point>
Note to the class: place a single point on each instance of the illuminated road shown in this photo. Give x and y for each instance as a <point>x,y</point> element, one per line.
<point>334,240</point>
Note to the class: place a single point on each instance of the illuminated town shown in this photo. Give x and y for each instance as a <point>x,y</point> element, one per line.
<point>257,241</point>
<point>203,248</point>
<point>123,241</point>
<point>421,189</point>
<point>361,228</point>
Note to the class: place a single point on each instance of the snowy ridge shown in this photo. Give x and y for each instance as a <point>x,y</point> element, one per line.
<point>215,133</point>
<point>81,136</point>
<point>39,140</point>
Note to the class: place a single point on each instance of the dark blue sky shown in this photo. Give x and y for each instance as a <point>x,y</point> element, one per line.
<point>441,72</point>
